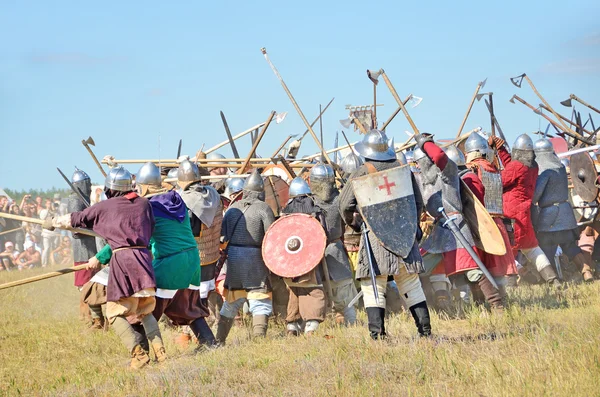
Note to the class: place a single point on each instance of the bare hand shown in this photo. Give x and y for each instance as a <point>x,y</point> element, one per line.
<point>93,264</point>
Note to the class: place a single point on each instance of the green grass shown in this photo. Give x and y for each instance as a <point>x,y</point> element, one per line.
<point>547,343</point>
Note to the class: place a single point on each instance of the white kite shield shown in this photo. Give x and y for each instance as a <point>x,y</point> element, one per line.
<point>386,201</point>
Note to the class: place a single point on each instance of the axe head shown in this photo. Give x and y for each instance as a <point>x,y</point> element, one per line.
<point>566,102</point>
<point>416,101</point>
<point>89,141</point>
<point>512,100</point>
<point>538,111</point>
<point>517,81</point>
<point>482,83</point>
<point>479,96</point>
<point>374,75</point>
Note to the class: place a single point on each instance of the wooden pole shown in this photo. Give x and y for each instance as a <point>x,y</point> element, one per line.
<point>398,109</point>
<point>399,101</point>
<point>462,125</point>
<point>43,276</point>
<point>241,134</point>
<point>40,222</point>
<point>256,142</point>
<point>11,231</point>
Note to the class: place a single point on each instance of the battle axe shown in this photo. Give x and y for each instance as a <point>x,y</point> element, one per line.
<point>87,143</point>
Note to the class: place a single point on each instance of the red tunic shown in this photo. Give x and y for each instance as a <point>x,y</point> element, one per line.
<point>497,265</point>
<point>518,183</point>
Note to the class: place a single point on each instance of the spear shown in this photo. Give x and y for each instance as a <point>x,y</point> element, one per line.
<point>33,279</point>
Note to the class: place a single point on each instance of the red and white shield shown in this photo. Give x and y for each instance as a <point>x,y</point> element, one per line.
<point>294,245</point>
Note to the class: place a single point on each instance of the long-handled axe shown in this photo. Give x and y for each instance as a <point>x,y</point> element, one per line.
<point>398,110</point>
<point>480,85</point>
<point>398,100</point>
<point>554,123</point>
<point>518,81</point>
<point>569,121</point>
<point>300,113</point>
<point>86,143</point>
<point>567,103</point>
<point>490,106</point>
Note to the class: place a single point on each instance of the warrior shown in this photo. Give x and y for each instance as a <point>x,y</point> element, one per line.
<point>379,157</point>
<point>206,213</point>
<point>244,226</point>
<point>327,197</point>
<point>485,181</point>
<point>176,260</point>
<point>440,183</point>
<point>519,178</point>
<point>126,221</point>
<point>306,304</point>
<point>83,246</point>
<point>552,213</point>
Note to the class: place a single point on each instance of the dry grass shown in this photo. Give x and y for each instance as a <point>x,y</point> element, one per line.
<point>546,344</point>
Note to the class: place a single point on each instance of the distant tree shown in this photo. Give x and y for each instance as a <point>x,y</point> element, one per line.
<point>17,195</point>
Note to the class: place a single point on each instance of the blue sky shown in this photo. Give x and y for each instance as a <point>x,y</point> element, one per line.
<point>127,73</point>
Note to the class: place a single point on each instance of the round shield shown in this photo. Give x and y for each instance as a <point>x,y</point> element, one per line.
<point>276,193</point>
<point>278,170</point>
<point>294,245</point>
<point>559,144</point>
<point>583,176</point>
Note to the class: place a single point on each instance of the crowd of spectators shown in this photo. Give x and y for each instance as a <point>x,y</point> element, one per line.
<point>26,245</point>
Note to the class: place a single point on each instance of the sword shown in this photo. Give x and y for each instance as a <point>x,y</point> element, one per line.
<point>459,236</point>
<point>365,234</point>
<point>179,149</point>
<point>558,268</point>
<point>75,189</point>
<point>228,132</point>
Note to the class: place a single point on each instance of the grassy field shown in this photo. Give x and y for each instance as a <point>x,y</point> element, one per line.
<point>547,343</point>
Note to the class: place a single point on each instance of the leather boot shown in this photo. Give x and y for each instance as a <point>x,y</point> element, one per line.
<point>376,316</point>
<point>339,319</point>
<point>260,323</point>
<point>550,277</point>
<point>141,337</point>
<point>492,294</point>
<point>139,358</point>
<point>443,301</point>
<point>223,327</point>
<point>420,313</point>
<point>203,332</point>
<point>97,323</point>
<point>154,337</point>
<point>586,270</point>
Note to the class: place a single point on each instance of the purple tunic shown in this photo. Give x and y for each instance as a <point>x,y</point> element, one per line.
<point>125,221</point>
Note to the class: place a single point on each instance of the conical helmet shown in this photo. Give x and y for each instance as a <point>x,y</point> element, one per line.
<point>351,163</point>
<point>456,155</point>
<point>235,185</point>
<point>298,187</point>
<point>543,145</point>
<point>322,172</point>
<point>254,182</point>
<point>187,174</point>
<point>149,174</point>
<point>401,158</point>
<point>79,175</point>
<point>119,179</point>
<point>418,154</point>
<point>476,142</point>
<point>523,142</point>
<point>375,146</point>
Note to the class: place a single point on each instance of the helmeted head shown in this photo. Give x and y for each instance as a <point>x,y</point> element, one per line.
<point>189,173</point>
<point>418,154</point>
<point>476,143</point>
<point>351,163</point>
<point>456,156</point>
<point>118,179</point>
<point>148,178</point>
<point>375,146</point>
<point>543,145</point>
<point>401,158</point>
<point>254,183</point>
<point>299,187</point>
<point>522,150</point>
<point>216,170</point>
<point>234,185</point>
<point>322,181</point>
<point>81,180</point>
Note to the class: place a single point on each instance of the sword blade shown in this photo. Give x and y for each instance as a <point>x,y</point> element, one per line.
<point>365,234</point>
<point>229,136</point>
<point>76,190</point>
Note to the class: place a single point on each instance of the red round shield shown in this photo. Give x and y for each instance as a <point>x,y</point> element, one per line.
<point>294,245</point>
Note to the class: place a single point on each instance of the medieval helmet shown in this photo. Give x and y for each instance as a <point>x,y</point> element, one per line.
<point>523,142</point>
<point>298,187</point>
<point>149,174</point>
<point>79,175</point>
<point>173,173</point>
<point>418,154</point>
<point>476,142</point>
<point>543,145</point>
<point>187,174</point>
<point>235,185</point>
<point>254,182</point>
<point>401,158</point>
<point>322,172</point>
<point>456,156</point>
<point>351,163</point>
<point>374,146</point>
<point>119,179</point>
<point>214,156</point>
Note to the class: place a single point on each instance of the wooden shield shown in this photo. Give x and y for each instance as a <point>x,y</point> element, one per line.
<point>277,193</point>
<point>583,176</point>
<point>294,245</point>
<point>559,144</point>
<point>277,170</point>
<point>483,228</point>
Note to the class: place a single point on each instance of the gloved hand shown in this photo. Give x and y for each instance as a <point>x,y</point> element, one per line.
<point>48,223</point>
<point>495,142</point>
<point>422,138</point>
